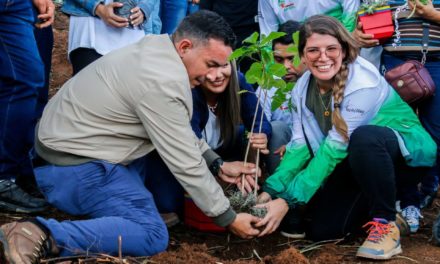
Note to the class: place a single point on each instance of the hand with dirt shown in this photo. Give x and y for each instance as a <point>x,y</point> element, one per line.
<point>364,40</point>
<point>46,13</point>
<point>280,151</point>
<point>259,142</point>
<point>276,210</point>
<point>106,13</point>
<point>243,226</point>
<point>264,197</point>
<point>427,11</point>
<point>231,172</point>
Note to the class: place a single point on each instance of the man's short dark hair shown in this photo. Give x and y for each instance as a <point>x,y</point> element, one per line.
<point>289,27</point>
<point>204,25</point>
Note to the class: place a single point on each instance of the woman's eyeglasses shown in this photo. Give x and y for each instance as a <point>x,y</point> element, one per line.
<point>332,52</point>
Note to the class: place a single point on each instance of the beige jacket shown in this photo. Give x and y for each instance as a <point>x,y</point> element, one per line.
<point>128,103</point>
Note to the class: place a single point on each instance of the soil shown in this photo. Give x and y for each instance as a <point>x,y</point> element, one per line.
<point>191,246</point>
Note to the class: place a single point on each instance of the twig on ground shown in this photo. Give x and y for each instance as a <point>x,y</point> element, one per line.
<point>256,254</point>
<point>407,258</point>
<point>302,251</point>
<point>120,248</point>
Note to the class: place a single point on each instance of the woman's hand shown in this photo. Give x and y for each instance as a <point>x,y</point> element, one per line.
<point>106,13</point>
<point>259,142</point>
<point>364,40</point>
<point>264,197</point>
<point>137,16</point>
<point>276,210</point>
<point>426,11</point>
<point>280,151</point>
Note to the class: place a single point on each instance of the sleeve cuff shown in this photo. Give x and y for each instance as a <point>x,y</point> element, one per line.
<point>225,218</point>
<point>209,156</point>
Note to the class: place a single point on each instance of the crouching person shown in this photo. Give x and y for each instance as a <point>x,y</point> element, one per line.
<point>94,137</point>
<point>355,144</point>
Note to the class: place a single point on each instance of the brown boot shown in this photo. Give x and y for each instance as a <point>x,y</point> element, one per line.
<point>24,243</point>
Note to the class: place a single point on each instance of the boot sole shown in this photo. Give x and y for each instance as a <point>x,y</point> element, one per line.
<point>19,209</point>
<point>4,253</point>
<point>389,255</point>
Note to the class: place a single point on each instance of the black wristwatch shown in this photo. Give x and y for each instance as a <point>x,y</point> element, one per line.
<point>215,166</point>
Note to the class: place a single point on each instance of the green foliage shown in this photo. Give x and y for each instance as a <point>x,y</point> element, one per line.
<point>369,6</point>
<point>265,71</point>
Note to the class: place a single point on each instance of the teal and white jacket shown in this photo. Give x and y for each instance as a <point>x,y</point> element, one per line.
<point>368,100</point>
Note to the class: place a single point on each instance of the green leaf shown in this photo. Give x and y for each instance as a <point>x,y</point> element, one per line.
<point>252,39</point>
<point>238,53</point>
<point>255,73</point>
<point>272,36</point>
<point>267,56</point>
<point>292,49</point>
<point>295,37</point>
<point>277,69</point>
<point>296,61</point>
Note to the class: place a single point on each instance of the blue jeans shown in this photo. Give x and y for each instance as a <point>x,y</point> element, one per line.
<point>173,11</point>
<point>21,76</point>
<point>428,112</point>
<point>115,199</point>
<point>44,38</point>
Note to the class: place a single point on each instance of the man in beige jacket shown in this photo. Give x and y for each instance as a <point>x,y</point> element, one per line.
<point>95,133</point>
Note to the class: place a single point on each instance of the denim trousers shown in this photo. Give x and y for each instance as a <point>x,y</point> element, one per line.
<point>428,112</point>
<point>44,38</point>
<point>173,11</point>
<point>21,76</point>
<point>116,202</point>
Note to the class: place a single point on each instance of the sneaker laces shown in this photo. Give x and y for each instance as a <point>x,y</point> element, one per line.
<point>411,214</point>
<point>377,230</point>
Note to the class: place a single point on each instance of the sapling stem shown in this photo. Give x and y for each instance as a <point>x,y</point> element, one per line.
<point>249,143</point>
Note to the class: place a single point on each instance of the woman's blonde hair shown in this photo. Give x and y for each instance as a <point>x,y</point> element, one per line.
<point>326,25</point>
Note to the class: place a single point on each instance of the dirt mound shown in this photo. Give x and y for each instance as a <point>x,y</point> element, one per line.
<point>287,256</point>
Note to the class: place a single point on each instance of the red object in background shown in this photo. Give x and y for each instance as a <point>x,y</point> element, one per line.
<point>195,218</point>
<point>380,24</point>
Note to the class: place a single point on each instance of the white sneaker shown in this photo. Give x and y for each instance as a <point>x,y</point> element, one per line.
<point>412,216</point>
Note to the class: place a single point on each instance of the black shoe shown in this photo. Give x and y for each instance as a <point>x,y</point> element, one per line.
<point>436,231</point>
<point>292,225</point>
<point>14,199</point>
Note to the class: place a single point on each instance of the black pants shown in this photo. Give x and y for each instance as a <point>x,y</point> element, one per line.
<point>364,186</point>
<point>81,57</point>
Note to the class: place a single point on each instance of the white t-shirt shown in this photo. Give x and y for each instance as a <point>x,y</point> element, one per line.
<point>93,33</point>
<point>272,13</point>
<point>211,133</point>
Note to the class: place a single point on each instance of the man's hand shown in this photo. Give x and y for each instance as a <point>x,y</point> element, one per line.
<point>243,226</point>
<point>231,172</point>
<point>276,210</point>
<point>259,142</point>
<point>107,14</point>
<point>137,17</point>
<point>280,151</point>
<point>264,197</point>
<point>364,40</point>
<point>46,13</point>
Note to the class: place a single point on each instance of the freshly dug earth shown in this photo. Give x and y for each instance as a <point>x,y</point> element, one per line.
<point>190,246</point>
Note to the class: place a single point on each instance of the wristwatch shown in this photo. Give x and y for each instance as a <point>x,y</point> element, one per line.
<point>215,166</point>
